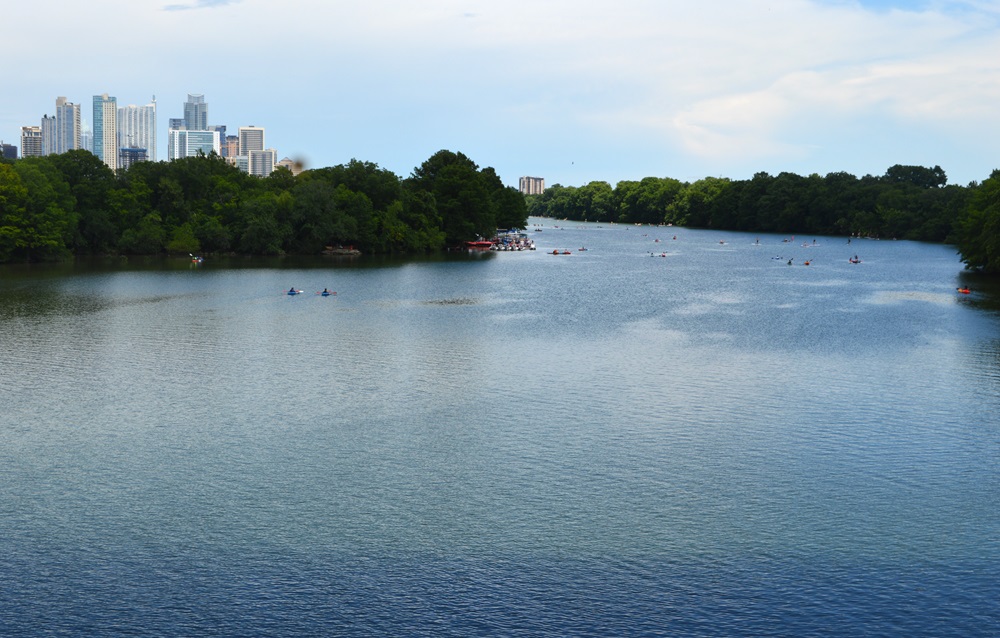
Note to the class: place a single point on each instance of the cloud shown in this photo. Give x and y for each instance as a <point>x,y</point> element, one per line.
<point>199,4</point>
<point>629,88</point>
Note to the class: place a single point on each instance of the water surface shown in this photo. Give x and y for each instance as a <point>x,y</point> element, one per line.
<point>648,437</point>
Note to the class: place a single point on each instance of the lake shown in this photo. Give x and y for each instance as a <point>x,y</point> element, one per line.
<point>654,436</point>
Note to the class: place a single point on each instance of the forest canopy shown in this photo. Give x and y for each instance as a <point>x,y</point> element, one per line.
<point>57,206</point>
<point>907,202</point>
<point>70,204</point>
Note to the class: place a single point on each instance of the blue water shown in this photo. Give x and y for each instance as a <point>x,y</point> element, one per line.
<point>711,442</point>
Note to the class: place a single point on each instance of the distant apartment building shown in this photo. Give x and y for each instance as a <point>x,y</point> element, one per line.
<point>67,125</point>
<point>48,134</point>
<point>241,162</point>
<point>8,151</point>
<point>137,130</point>
<point>532,185</point>
<point>231,146</point>
<point>31,141</point>
<point>183,143</point>
<point>262,163</point>
<point>106,130</point>
<point>251,139</point>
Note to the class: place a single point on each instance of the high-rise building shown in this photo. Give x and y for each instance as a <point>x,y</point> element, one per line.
<point>31,141</point>
<point>48,134</point>
<point>137,128</point>
<point>8,151</point>
<point>86,139</point>
<point>241,162</point>
<point>106,129</point>
<point>532,185</point>
<point>251,139</point>
<point>67,125</point>
<point>189,143</point>
<point>261,163</point>
<point>231,146</point>
<point>221,130</point>
<point>196,113</point>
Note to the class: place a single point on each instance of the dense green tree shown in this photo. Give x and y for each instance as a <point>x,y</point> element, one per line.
<point>147,238</point>
<point>511,210</point>
<point>90,181</point>
<point>461,194</point>
<point>73,203</point>
<point>262,231</point>
<point>978,235</point>
<point>918,176</point>
<point>419,213</point>
<point>694,204</point>
<point>40,222</point>
<point>183,240</point>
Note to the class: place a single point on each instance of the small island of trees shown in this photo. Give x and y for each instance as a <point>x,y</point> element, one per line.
<point>71,204</point>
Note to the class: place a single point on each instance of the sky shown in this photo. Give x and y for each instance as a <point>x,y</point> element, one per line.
<point>565,90</point>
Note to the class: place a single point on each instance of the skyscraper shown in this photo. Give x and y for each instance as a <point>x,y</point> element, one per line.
<point>532,185</point>
<point>67,125</point>
<point>48,135</point>
<point>251,139</point>
<point>181,143</point>
<point>86,139</point>
<point>106,130</point>
<point>196,113</point>
<point>31,141</point>
<point>137,128</point>
<point>261,163</point>
<point>230,146</point>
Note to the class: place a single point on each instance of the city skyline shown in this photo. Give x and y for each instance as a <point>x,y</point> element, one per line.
<point>135,132</point>
<point>574,94</point>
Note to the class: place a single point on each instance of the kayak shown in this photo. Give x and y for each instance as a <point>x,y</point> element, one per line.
<point>295,292</point>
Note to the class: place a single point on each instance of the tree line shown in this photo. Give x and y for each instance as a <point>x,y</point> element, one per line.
<point>69,204</point>
<point>907,202</point>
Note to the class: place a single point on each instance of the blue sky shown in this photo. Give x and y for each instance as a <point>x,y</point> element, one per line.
<point>568,91</point>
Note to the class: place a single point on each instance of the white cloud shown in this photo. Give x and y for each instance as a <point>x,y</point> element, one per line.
<point>723,83</point>
<point>199,4</point>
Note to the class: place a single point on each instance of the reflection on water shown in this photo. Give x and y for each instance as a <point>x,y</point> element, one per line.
<point>588,444</point>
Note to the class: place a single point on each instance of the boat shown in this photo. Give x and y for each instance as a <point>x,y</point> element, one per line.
<point>964,291</point>
<point>481,243</point>
<point>293,291</point>
<point>854,261</point>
